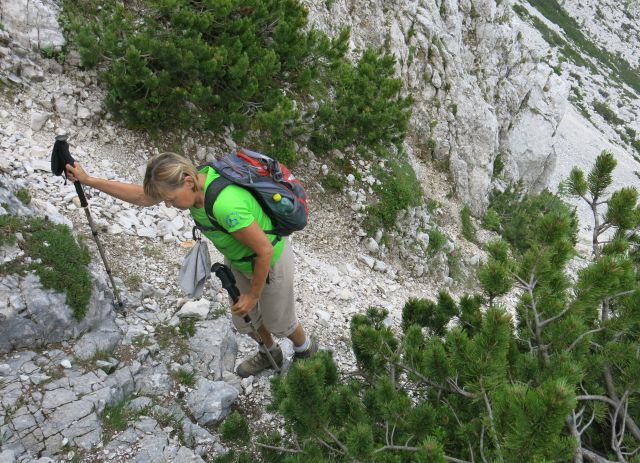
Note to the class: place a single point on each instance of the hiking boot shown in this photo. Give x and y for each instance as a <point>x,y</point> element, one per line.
<point>313,348</point>
<point>259,362</point>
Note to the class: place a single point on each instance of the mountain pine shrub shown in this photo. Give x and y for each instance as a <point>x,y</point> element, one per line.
<point>465,380</point>
<point>253,66</point>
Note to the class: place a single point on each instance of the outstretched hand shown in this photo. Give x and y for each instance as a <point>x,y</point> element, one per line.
<point>76,173</point>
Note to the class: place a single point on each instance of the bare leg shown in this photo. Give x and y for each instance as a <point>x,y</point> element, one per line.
<point>298,336</point>
<point>265,335</point>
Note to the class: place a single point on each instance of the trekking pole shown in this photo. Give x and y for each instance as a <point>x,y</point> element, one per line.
<point>60,157</point>
<point>229,283</point>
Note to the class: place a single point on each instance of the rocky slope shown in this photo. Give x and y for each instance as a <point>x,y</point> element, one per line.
<point>476,69</point>
<point>488,84</point>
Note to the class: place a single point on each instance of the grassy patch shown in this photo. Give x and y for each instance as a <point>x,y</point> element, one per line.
<point>60,262</point>
<point>132,281</point>
<point>116,417</point>
<point>140,341</point>
<point>184,377</point>
<point>187,327</point>
<point>468,229</point>
<point>152,251</point>
<point>165,335</point>
<point>606,112</point>
<point>433,205</point>
<point>332,182</point>
<point>23,195</point>
<point>217,313</point>
<point>175,336</point>
<point>51,53</point>
<point>498,165</point>
<point>455,267</point>
<point>398,190</point>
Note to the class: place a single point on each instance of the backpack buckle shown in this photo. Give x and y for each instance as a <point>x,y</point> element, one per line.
<point>196,233</point>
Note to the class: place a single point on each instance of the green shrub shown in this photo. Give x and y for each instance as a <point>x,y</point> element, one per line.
<point>235,428</point>
<point>491,220</point>
<point>332,182</point>
<point>498,165</point>
<point>426,313</point>
<point>468,229</point>
<point>430,145</point>
<point>48,52</point>
<point>398,189</point>
<point>233,456</point>
<point>368,108</point>
<point>437,240</point>
<point>518,212</point>
<point>255,68</point>
<point>23,195</point>
<point>60,262</point>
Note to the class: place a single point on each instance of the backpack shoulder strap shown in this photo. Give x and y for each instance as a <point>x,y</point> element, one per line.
<point>210,196</point>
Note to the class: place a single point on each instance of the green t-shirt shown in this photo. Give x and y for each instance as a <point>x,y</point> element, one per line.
<point>235,208</point>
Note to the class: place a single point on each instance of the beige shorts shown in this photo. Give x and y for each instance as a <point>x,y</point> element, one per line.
<point>276,307</point>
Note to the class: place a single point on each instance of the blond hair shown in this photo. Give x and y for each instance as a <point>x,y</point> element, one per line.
<point>166,172</point>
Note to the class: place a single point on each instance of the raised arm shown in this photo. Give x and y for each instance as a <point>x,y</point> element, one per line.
<point>129,192</point>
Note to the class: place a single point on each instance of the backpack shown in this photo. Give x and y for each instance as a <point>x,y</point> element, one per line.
<point>278,192</point>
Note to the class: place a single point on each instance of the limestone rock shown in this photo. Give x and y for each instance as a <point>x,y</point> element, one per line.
<point>213,349</point>
<point>211,400</point>
<point>195,309</point>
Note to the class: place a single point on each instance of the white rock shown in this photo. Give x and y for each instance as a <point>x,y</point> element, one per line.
<point>423,237</point>
<point>474,260</point>
<point>41,165</point>
<point>368,261</point>
<point>146,232</point>
<point>127,222</point>
<point>38,120</point>
<point>114,229</point>
<point>380,266</point>
<point>371,245</point>
<point>65,364</point>
<point>83,112</point>
<point>195,309</point>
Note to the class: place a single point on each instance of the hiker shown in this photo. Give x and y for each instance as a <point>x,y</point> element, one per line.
<point>265,281</point>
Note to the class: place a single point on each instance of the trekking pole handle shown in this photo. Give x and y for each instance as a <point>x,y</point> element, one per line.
<point>69,161</point>
<point>228,282</point>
